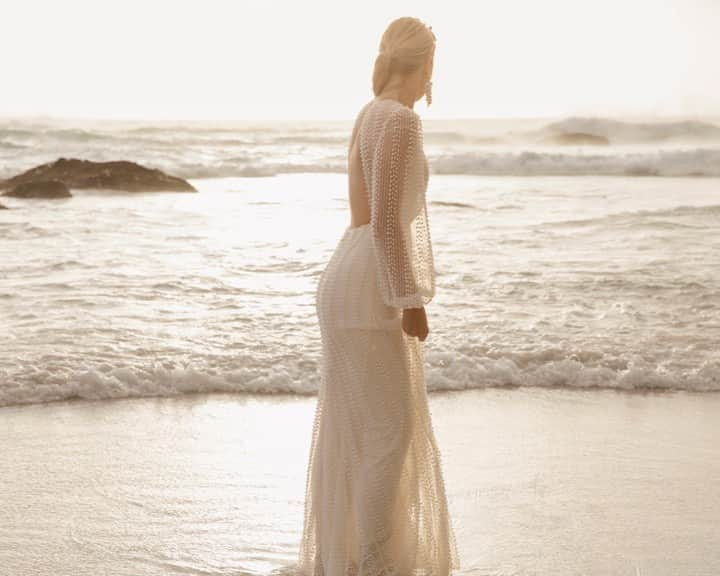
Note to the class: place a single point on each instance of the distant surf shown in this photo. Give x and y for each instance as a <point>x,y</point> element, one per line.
<point>570,146</point>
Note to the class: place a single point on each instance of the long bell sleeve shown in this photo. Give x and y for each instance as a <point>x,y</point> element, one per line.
<point>399,222</point>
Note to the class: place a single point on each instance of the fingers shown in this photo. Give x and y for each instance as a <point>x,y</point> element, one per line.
<point>417,330</point>
<point>419,334</point>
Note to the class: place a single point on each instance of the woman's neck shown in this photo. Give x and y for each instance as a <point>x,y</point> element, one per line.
<point>400,93</point>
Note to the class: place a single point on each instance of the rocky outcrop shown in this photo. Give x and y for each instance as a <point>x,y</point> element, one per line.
<point>116,175</point>
<point>40,189</point>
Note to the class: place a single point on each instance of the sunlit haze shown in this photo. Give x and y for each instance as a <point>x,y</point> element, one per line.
<point>313,60</point>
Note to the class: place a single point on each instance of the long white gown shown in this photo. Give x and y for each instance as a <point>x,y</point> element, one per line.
<point>375,502</point>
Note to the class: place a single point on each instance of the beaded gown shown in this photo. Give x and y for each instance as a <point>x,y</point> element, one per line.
<point>375,502</point>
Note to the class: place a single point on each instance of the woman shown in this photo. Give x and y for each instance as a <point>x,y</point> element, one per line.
<point>375,498</point>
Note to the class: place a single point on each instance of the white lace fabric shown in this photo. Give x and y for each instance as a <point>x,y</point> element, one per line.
<point>375,502</point>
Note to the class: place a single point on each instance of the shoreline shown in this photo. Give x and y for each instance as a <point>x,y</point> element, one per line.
<point>644,391</point>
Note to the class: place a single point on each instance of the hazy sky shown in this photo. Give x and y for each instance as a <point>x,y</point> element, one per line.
<point>311,59</point>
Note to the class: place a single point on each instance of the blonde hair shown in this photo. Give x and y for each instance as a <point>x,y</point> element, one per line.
<point>404,47</point>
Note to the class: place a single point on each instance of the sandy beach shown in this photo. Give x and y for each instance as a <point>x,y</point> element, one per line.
<point>540,481</point>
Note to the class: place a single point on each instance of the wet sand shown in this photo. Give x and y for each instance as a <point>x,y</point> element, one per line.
<point>539,481</point>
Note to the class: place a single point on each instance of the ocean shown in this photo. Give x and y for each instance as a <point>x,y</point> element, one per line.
<point>160,351</point>
<point>570,253</point>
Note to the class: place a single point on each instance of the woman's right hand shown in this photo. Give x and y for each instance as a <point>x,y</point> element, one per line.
<point>414,322</point>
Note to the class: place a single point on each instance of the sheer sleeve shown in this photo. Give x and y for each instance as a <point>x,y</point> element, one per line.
<point>400,230</point>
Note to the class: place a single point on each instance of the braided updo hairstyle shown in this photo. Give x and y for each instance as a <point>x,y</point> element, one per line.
<point>404,47</point>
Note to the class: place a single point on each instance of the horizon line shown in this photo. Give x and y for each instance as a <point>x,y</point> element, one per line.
<point>202,119</point>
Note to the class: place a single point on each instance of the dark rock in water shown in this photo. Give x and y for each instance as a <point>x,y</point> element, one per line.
<point>577,139</point>
<point>40,189</point>
<point>3,207</point>
<point>641,171</point>
<point>117,175</point>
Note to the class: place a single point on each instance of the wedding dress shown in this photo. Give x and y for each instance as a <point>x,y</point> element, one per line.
<point>375,502</point>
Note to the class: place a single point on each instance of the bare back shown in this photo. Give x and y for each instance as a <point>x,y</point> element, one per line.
<point>358,195</point>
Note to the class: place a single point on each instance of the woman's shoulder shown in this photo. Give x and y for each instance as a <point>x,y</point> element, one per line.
<point>401,115</point>
<point>407,113</point>
<point>392,107</point>
<point>389,116</point>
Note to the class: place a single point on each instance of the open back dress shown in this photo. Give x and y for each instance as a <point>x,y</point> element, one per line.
<point>375,502</point>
